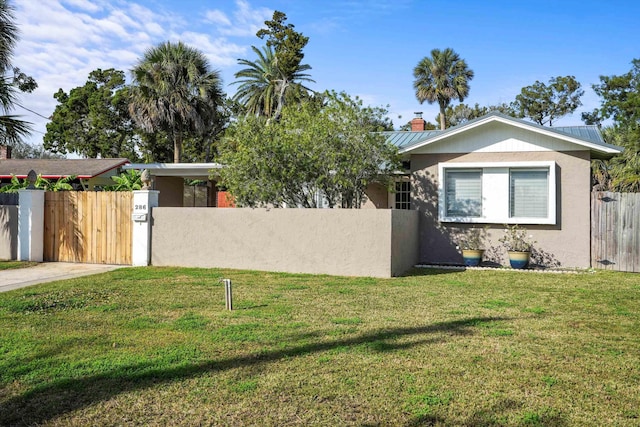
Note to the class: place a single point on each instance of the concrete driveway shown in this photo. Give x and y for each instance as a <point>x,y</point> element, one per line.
<point>49,272</point>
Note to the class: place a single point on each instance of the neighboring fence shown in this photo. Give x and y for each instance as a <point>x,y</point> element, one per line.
<point>8,232</point>
<point>352,242</point>
<point>615,231</point>
<point>10,199</point>
<point>86,226</point>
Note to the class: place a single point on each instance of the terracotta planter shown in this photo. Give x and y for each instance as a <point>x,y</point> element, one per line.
<point>518,259</point>
<point>472,257</point>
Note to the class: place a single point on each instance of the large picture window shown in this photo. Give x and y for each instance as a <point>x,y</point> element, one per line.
<point>514,193</point>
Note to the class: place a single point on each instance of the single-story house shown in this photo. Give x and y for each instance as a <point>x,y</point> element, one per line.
<point>498,170</point>
<point>89,173</point>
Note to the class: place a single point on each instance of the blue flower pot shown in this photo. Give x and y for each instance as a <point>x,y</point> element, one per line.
<point>519,260</point>
<point>472,257</point>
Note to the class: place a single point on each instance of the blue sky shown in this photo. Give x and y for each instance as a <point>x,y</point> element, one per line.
<point>366,48</point>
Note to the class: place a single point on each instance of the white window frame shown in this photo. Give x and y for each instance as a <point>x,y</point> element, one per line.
<point>495,192</point>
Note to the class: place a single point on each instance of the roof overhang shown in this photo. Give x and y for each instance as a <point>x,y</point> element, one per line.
<point>598,150</point>
<point>186,170</point>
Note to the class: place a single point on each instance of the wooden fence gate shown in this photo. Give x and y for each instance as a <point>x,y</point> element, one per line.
<point>615,231</point>
<point>88,227</point>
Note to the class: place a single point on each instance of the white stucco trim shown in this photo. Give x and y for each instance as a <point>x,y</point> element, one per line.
<point>495,192</point>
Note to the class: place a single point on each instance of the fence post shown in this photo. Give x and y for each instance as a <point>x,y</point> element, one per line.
<point>31,225</point>
<point>143,203</point>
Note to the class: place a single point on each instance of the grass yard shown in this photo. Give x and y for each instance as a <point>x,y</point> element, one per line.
<point>6,265</point>
<point>155,346</point>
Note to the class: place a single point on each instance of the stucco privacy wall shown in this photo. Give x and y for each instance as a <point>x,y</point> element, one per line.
<point>377,243</point>
<point>567,242</point>
<point>8,232</point>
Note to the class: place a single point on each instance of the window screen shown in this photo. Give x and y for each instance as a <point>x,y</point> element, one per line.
<point>529,193</point>
<point>463,192</point>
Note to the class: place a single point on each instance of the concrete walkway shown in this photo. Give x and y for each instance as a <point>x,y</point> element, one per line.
<point>49,272</point>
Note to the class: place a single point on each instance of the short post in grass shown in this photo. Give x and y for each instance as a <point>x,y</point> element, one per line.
<point>228,295</point>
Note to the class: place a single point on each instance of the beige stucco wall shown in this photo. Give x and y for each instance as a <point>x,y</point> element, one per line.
<point>567,243</point>
<point>377,197</point>
<point>171,190</point>
<point>321,241</point>
<point>9,232</point>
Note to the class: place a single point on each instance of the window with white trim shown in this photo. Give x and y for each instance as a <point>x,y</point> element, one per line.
<point>513,193</point>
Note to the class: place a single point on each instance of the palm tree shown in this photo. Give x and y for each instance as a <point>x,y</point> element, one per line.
<point>174,90</point>
<point>264,87</point>
<point>441,78</point>
<point>256,90</point>
<point>12,129</point>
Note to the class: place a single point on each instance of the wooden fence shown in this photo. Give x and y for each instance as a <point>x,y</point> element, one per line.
<point>615,231</point>
<point>89,227</point>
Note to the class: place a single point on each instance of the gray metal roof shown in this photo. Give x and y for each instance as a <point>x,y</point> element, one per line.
<point>403,139</point>
<point>589,133</point>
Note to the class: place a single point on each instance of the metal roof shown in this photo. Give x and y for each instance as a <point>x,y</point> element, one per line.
<point>403,139</point>
<point>590,133</point>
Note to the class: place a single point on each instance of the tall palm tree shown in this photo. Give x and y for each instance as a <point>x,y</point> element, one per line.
<point>257,88</point>
<point>264,87</point>
<point>441,78</point>
<point>174,90</point>
<point>12,129</point>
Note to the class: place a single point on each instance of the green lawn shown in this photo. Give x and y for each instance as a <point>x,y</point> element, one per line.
<point>155,346</point>
<point>6,265</point>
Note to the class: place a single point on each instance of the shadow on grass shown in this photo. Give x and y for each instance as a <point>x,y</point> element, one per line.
<point>494,416</point>
<point>52,400</point>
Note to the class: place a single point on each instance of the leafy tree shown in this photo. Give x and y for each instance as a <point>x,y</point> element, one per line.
<point>175,91</point>
<point>441,78</point>
<point>128,180</point>
<point>283,65</point>
<point>62,184</point>
<point>12,129</point>
<point>463,113</point>
<point>545,103</point>
<point>331,148</point>
<point>621,102</point>
<point>27,151</point>
<point>93,120</point>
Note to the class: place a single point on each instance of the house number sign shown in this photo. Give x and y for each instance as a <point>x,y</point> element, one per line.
<point>141,208</point>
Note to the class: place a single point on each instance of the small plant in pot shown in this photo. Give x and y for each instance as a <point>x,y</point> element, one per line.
<point>471,243</point>
<point>518,244</point>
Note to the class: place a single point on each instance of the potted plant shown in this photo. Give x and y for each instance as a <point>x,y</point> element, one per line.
<point>471,243</point>
<point>518,245</point>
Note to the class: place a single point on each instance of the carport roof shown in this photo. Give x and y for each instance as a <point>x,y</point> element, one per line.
<point>176,169</point>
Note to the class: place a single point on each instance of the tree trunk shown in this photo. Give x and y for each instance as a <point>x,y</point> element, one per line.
<point>177,147</point>
<point>443,122</point>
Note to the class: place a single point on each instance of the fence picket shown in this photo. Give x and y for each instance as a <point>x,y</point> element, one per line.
<point>615,229</point>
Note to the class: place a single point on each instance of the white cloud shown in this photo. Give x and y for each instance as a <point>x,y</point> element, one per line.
<point>246,21</point>
<point>217,17</point>
<point>62,41</point>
